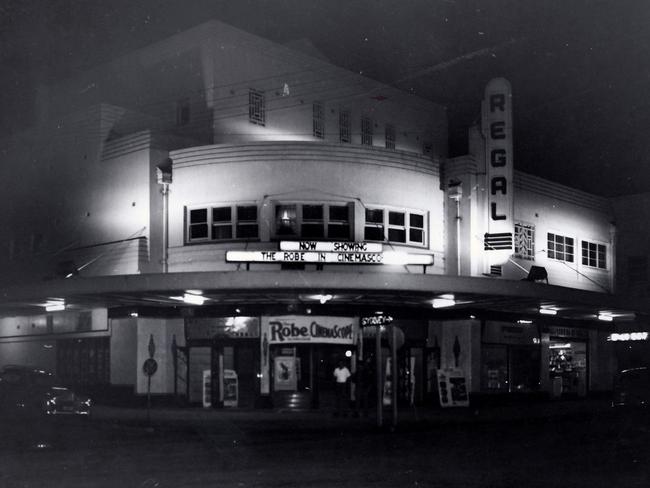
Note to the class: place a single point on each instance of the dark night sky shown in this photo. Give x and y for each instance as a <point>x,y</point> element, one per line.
<point>580,70</point>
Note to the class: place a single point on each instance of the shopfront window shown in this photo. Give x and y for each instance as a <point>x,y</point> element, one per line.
<point>494,368</point>
<point>568,367</point>
<point>510,368</point>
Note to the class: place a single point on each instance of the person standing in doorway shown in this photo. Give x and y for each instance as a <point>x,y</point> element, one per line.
<point>341,375</point>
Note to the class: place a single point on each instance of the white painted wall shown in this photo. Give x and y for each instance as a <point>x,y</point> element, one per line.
<point>162,331</point>
<point>265,174</point>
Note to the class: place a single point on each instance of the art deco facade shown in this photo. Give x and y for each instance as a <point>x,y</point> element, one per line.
<point>249,211</point>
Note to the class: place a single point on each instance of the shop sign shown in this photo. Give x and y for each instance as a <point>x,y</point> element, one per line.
<point>65,322</point>
<point>497,129</point>
<point>302,329</point>
<point>509,333</point>
<point>567,332</point>
<point>628,336</point>
<point>325,257</point>
<point>328,246</point>
<point>197,328</point>
<point>308,329</point>
<point>375,320</point>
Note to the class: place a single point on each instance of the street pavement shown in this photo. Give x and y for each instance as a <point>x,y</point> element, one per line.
<point>581,443</point>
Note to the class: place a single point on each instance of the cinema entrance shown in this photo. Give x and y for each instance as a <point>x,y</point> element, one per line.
<point>299,354</point>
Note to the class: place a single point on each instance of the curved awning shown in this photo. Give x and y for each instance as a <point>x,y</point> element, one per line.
<point>410,293</point>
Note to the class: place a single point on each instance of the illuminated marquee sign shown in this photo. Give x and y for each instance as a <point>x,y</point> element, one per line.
<point>628,336</point>
<point>328,246</point>
<point>497,129</point>
<point>329,253</point>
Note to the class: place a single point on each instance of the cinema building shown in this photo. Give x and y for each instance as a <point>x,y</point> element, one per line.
<point>246,214</point>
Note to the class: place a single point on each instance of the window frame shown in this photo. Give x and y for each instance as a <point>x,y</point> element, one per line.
<point>389,136</point>
<point>564,244</point>
<point>345,128</point>
<point>326,221</point>
<point>318,120</point>
<point>407,226</point>
<point>366,131</point>
<point>235,224</point>
<point>256,107</point>
<point>530,229</point>
<point>597,251</point>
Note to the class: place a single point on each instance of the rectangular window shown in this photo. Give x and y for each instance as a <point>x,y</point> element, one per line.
<point>524,241</point>
<point>390,136</point>
<point>560,247</point>
<point>222,223</point>
<point>594,255</point>
<point>198,224</point>
<point>396,227</point>
<point>338,225</point>
<point>366,131</point>
<point>247,227</point>
<point>183,111</point>
<point>318,117</point>
<point>313,224</point>
<point>404,227</point>
<point>286,221</point>
<point>256,107</point>
<point>374,228</point>
<point>345,132</point>
<point>416,228</point>
<point>313,221</point>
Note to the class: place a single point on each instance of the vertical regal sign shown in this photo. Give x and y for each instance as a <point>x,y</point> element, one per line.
<point>497,130</point>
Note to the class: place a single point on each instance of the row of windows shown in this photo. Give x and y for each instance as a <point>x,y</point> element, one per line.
<point>306,221</point>
<point>257,116</point>
<point>558,247</point>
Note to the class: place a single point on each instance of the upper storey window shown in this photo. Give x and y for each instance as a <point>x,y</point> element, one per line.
<point>390,136</point>
<point>560,247</point>
<point>398,226</point>
<point>366,131</point>
<point>525,241</point>
<point>222,223</point>
<point>345,131</point>
<point>256,107</point>
<point>594,255</point>
<point>313,221</point>
<point>318,122</point>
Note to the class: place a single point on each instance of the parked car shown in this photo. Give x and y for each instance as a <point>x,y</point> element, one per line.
<point>31,391</point>
<point>632,388</point>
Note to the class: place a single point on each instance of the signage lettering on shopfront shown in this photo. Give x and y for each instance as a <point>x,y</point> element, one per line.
<point>376,320</point>
<point>329,257</point>
<point>331,246</point>
<point>300,329</point>
<point>497,123</point>
<point>628,336</point>
<point>281,332</point>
